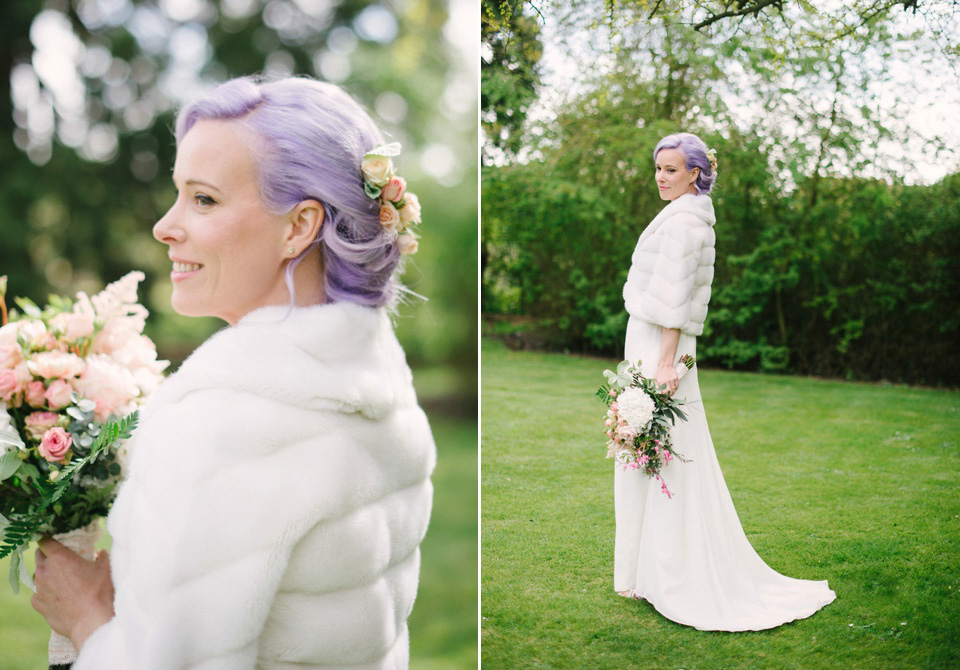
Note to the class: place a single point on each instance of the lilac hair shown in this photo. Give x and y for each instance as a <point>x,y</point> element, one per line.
<point>694,151</point>
<point>311,138</point>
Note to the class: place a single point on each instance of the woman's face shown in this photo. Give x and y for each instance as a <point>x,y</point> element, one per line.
<point>673,177</point>
<point>228,252</point>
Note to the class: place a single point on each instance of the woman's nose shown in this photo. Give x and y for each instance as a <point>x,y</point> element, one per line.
<point>166,229</point>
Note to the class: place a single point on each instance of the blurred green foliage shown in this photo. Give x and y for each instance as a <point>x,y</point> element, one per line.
<point>819,270</point>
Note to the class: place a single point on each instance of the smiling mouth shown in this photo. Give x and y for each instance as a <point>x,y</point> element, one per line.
<point>186,267</point>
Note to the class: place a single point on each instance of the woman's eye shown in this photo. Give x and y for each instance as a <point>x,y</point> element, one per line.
<point>204,200</point>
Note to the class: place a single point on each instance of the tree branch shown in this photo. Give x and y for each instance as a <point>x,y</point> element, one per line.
<point>743,11</point>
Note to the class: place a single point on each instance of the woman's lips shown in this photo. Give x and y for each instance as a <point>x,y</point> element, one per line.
<point>183,270</point>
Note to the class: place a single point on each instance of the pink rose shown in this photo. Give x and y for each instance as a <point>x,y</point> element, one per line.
<point>35,334</point>
<point>410,212</point>
<point>34,394</point>
<point>39,423</point>
<point>58,394</point>
<point>55,444</point>
<point>9,383</point>
<point>390,219</point>
<point>394,189</point>
<point>73,325</point>
<point>55,364</point>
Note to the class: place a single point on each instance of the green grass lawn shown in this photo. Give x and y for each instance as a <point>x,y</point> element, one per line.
<point>443,628</point>
<point>855,483</point>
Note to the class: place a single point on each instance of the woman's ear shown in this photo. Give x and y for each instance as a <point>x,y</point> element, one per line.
<point>304,223</point>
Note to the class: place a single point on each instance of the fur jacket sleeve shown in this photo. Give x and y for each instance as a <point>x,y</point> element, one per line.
<point>669,279</point>
<point>277,493</point>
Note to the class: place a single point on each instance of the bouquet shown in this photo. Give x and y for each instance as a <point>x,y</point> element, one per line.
<point>639,419</point>
<point>72,375</point>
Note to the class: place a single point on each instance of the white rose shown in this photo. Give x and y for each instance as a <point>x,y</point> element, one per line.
<point>377,169</point>
<point>408,244</point>
<point>410,212</point>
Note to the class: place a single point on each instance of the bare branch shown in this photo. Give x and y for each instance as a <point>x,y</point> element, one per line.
<point>743,11</point>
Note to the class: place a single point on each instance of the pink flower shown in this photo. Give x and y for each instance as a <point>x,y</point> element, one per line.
<point>34,394</point>
<point>55,364</point>
<point>394,189</point>
<point>73,325</point>
<point>58,394</point>
<point>110,385</point>
<point>55,444</point>
<point>10,355</point>
<point>9,383</point>
<point>39,423</point>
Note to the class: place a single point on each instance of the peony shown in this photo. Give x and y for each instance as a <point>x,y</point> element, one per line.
<point>636,408</point>
<point>55,444</point>
<point>55,365</point>
<point>394,189</point>
<point>39,423</point>
<point>408,244</point>
<point>390,219</point>
<point>73,325</point>
<point>410,212</point>
<point>378,170</point>
<point>59,394</point>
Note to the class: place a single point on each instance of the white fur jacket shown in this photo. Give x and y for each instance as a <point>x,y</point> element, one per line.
<point>669,280</point>
<point>278,490</point>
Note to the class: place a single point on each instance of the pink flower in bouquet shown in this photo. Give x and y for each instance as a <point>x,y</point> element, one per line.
<point>35,334</point>
<point>58,394</point>
<point>110,385</point>
<point>10,355</point>
<point>34,394</point>
<point>73,325</point>
<point>55,444</point>
<point>9,383</point>
<point>394,189</point>
<point>39,423</point>
<point>55,364</point>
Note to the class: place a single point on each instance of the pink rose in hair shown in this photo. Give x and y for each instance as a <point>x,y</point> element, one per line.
<point>33,393</point>
<point>39,423</point>
<point>389,218</point>
<point>394,189</point>
<point>9,384</point>
<point>58,394</point>
<point>410,212</point>
<point>55,364</point>
<point>55,444</point>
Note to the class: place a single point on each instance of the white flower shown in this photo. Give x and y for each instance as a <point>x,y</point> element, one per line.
<point>636,408</point>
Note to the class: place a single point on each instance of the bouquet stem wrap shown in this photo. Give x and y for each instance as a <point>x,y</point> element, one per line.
<point>82,541</point>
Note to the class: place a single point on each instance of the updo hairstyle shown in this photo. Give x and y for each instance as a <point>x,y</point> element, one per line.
<point>694,151</point>
<point>311,138</point>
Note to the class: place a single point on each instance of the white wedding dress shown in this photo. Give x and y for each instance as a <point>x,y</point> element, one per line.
<point>688,555</point>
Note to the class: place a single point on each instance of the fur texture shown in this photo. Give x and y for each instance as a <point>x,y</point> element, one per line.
<point>278,490</point>
<point>669,280</point>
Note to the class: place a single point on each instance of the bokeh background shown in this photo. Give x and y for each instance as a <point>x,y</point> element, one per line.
<point>838,196</point>
<point>88,90</point>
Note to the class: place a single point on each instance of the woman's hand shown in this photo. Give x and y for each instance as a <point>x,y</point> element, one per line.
<point>667,374</point>
<point>74,595</point>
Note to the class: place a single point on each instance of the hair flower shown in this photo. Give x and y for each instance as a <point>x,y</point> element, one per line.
<point>399,209</point>
<point>712,157</point>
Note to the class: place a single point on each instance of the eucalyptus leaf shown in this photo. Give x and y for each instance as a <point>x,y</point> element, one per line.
<point>9,463</point>
<point>75,413</point>
<point>86,405</point>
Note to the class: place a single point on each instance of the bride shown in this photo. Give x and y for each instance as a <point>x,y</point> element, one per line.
<point>278,484</point>
<point>688,555</point>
